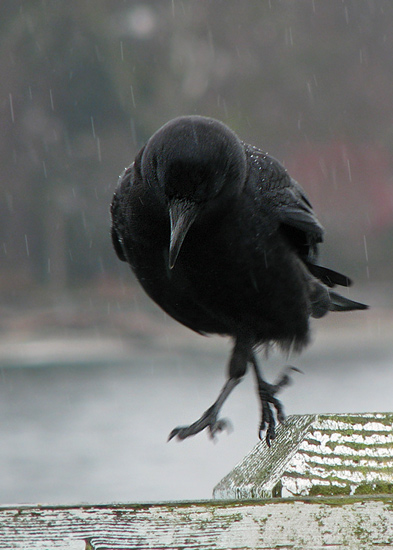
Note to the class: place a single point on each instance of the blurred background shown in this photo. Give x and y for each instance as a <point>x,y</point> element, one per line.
<point>93,375</point>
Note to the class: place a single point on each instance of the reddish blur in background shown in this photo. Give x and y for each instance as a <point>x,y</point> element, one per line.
<point>94,376</point>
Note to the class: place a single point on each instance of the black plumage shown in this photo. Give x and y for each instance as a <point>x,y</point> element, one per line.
<point>226,242</point>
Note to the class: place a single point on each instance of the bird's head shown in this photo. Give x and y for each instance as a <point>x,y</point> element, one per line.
<point>194,165</point>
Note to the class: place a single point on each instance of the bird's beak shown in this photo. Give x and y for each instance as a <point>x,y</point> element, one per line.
<point>182,214</point>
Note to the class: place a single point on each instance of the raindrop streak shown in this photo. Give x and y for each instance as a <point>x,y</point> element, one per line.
<point>132,96</point>
<point>44,167</point>
<point>225,108</point>
<point>121,50</point>
<point>9,201</point>
<point>349,170</point>
<point>99,150</point>
<point>366,253</point>
<point>310,92</point>
<point>27,246</point>
<point>98,55</point>
<point>12,108</point>
<point>365,247</point>
<point>211,43</point>
<point>51,100</point>
<point>346,14</point>
<point>133,131</point>
<point>290,36</point>
<point>92,127</point>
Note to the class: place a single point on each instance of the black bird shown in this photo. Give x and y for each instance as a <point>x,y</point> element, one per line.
<point>225,241</point>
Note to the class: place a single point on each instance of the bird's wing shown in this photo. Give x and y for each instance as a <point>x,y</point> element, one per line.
<point>303,229</point>
<point>285,198</point>
<point>296,211</point>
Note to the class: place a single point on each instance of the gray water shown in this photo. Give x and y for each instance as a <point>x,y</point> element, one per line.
<point>95,430</point>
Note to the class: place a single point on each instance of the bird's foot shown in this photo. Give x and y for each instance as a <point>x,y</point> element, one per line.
<point>208,420</point>
<point>267,396</point>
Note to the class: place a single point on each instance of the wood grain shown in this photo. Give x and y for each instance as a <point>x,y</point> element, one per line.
<point>312,523</point>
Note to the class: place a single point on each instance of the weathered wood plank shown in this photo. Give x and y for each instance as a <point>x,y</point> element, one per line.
<point>318,454</point>
<point>311,523</point>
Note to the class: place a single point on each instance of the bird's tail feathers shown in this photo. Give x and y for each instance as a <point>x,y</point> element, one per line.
<point>340,303</point>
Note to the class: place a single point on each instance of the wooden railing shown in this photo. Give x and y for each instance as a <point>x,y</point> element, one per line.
<point>334,523</point>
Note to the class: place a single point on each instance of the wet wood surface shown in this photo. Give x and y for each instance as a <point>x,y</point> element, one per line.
<point>311,523</point>
<point>317,454</point>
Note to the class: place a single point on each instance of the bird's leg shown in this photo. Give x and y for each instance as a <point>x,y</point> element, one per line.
<point>237,368</point>
<point>267,396</point>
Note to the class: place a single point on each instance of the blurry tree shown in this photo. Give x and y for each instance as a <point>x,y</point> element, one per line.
<point>85,82</point>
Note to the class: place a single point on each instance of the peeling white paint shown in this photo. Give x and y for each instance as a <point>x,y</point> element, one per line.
<point>342,451</point>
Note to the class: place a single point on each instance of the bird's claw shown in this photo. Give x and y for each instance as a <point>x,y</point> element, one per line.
<point>219,426</point>
<point>270,434</point>
<point>178,432</point>
<point>267,395</point>
<point>268,422</point>
<point>209,421</point>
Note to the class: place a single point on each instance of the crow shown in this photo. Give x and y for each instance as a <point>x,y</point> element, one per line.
<point>226,242</point>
